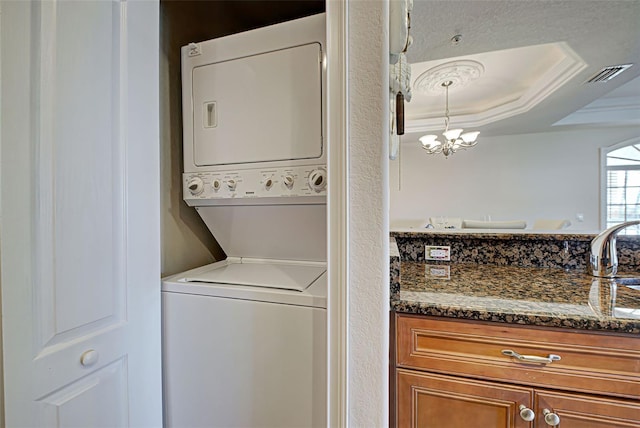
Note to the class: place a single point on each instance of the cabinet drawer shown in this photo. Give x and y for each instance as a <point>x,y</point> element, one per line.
<point>591,362</point>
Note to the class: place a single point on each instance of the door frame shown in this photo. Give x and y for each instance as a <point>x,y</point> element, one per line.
<point>338,213</point>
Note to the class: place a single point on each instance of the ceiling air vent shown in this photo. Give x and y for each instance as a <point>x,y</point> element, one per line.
<point>608,73</point>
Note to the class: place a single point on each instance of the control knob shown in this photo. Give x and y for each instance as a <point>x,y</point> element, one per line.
<point>216,184</point>
<point>318,180</point>
<point>268,183</point>
<point>288,181</point>
<point>195,185</point>
<point>231,185</point>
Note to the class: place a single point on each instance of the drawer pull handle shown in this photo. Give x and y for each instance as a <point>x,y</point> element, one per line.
<point>531,358</point>
<point>551,418</point>
<point>526,413</point>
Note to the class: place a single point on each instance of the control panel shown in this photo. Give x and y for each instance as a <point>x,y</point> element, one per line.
<point>299,181</point>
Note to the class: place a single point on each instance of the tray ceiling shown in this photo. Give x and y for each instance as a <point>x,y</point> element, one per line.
<point>521,44</point>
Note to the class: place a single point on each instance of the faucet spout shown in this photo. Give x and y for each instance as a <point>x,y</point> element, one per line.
<point>603,257</point>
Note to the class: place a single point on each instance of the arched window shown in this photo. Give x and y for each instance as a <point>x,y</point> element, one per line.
<point>622,171</point>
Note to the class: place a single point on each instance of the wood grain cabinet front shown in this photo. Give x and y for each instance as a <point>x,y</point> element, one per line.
<point>569,410</point>
<point>428,400</point>
<point>467,374</point>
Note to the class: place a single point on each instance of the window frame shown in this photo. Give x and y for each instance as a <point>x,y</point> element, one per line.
<point>604,181</point>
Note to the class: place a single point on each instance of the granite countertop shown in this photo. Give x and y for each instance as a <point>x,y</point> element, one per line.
<point>524,234</point>
<point>512,294</point>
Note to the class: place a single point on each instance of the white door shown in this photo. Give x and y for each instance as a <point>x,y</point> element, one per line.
<point>80,213</point>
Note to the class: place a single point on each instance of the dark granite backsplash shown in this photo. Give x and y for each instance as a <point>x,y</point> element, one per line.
<point>565,251</point>
<point>394,267</point>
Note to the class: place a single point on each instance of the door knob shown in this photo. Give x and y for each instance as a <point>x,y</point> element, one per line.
<point>89,358</point>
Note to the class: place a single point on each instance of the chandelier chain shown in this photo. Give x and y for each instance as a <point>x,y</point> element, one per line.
<point>446,111</point>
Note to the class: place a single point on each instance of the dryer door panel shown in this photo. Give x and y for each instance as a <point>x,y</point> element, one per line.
<point>261,108</point>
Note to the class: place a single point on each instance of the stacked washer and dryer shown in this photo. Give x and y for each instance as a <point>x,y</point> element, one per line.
<point>245,341</point>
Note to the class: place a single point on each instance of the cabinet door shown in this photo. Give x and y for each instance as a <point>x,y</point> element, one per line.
<point>426,400</point>
<point>585,411</point>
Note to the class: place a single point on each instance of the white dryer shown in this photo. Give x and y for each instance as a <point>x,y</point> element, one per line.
<point>244,339</point>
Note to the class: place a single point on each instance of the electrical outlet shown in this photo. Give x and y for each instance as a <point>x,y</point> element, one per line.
<point>437,272</point>
<point>437,252</point>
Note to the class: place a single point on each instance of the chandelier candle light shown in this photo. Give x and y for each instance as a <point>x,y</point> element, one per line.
<point>454,139</point>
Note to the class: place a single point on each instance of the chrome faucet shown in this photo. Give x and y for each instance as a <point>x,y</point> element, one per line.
<point>603,257</point>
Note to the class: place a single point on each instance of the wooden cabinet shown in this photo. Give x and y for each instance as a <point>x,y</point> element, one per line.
<point>585,411</point>
<point>454,373</point>
<point>430,400</point>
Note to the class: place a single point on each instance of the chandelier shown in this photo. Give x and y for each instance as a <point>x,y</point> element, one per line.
<point>454,139</point>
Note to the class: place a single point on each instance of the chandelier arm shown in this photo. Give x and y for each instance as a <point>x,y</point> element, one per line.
<point>468,145</point>
<point>432,151</point>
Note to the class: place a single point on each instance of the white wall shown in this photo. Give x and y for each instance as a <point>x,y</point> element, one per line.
<point>368,214</point>
<point>518,177</point>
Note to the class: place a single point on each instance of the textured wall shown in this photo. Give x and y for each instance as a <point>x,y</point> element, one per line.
<point>369,240</point>
<point>516,177</point>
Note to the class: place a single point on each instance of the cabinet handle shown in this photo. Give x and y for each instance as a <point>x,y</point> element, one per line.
<point>551,418</point>
<point>531,358</point>
<point>526,413</point>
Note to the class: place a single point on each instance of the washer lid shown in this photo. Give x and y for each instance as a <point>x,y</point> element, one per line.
<point>285,276</point>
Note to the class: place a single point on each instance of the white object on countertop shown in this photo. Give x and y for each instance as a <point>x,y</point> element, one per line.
<point>446,222</point>
<point>480,224</point>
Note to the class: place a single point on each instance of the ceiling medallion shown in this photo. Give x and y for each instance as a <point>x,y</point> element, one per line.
<point>459,73</point>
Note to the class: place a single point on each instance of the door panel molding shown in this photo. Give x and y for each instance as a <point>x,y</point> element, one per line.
<point>79,168</point>
<point>81,403</point>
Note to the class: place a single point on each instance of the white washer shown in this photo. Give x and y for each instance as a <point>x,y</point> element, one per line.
<point>245,345</point>
<point>244,339</point>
